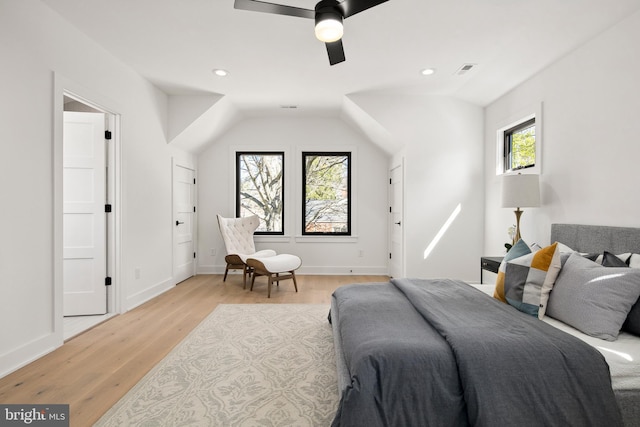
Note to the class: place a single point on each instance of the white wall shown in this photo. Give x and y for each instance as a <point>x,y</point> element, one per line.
<point>443,154</point>
<point>590,109</point>
<point>294,134</point>
<point>39,50</point>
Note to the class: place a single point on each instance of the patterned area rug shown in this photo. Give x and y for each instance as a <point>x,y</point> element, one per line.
<point>244,365</point>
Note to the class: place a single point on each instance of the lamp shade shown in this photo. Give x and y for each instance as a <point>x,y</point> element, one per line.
<point>520,191</point>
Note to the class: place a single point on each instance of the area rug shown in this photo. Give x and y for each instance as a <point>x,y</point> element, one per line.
<point>244,365</point>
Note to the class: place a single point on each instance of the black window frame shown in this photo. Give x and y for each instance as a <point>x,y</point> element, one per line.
<point>508,145</point>
<point>239,155</point>
<point>349,157</point>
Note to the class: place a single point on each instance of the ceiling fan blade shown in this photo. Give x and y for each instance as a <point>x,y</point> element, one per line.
<point>278,9</point>
<point>351,7</point>
<point>336,52</point>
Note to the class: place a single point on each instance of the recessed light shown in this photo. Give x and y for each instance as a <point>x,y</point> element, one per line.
<point>428,71</point>
<point>220,72</point>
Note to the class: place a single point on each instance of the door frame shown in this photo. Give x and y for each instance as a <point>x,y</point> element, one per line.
<point>66,87</point>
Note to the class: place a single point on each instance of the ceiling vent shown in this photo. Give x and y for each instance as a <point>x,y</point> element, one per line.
<point>465,69</point>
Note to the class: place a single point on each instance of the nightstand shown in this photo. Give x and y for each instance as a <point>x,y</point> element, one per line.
<point>490,263</point>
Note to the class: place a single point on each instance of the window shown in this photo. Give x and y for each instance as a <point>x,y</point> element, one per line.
<point>520,146</point>
<point>326,193</point>
<point>260,189</point>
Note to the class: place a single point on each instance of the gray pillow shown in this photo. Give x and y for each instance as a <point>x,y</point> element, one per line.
<point>592,298</point>
<point>632,324</point>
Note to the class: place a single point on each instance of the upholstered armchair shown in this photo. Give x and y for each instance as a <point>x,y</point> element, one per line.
<point>237,234</point>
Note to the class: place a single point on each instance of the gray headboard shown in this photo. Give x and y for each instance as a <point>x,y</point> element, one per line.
<point>597,238</point>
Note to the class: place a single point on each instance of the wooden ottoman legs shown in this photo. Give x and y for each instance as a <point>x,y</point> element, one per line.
<point>273,267</point>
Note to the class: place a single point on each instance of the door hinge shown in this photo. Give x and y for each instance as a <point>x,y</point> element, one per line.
<point>389,255</point>
<point>194,208</point>
<point>194,254</point>
<point>107,281</point>
<point>107,135</point>
<point>107,208</point>
<point>390,209</point>
<point>194,181</point>
<point>390,181</point>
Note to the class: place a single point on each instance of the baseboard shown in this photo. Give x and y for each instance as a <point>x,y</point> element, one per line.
<point>147,294</point>
<point>22,356</point>
<point>342,270</point>
<point>309,270</point>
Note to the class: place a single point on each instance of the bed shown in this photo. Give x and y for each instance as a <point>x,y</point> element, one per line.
<point>444,352</point>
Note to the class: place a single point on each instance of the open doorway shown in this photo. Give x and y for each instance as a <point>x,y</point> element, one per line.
<point>87,223</point>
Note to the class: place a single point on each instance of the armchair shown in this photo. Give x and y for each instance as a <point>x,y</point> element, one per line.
<point>237,234</point>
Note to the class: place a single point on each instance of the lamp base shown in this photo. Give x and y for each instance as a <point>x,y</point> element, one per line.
<point>518,213</point>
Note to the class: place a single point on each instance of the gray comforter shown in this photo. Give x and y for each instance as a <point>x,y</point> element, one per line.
<point>441,353</point>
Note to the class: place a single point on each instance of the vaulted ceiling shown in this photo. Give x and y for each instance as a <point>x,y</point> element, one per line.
<point>275,61</point>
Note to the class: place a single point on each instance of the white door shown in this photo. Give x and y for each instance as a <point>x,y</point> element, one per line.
<point>396,235</point>
<point>84,222</point>
<point>184,223</point>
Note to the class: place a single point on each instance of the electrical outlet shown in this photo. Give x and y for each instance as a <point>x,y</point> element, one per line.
<point>214,252</point>
<point>360,253</point>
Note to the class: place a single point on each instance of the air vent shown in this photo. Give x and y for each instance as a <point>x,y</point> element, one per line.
<point>465,69</point>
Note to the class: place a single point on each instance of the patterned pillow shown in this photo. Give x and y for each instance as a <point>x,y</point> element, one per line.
<point>530,278</point>
<point>594,299</point>
<point>517,250</point>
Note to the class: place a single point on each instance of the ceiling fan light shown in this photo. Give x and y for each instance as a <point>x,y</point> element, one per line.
<point>329,30</point>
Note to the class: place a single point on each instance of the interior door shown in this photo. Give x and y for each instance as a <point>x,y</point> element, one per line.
<point>184,223</point>
<point>84,217</point>
<point>396,234</point>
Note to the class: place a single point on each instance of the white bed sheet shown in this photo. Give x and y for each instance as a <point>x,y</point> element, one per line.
<point>622,355</point>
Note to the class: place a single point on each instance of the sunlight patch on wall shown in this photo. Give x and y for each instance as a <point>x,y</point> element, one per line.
<point>443,230</point>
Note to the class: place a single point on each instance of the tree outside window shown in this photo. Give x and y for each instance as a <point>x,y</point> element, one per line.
<point>326,193</point>
<point>260,189</point>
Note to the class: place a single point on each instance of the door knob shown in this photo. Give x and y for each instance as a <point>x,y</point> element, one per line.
<point>397,223</point>
<point>178,223</point>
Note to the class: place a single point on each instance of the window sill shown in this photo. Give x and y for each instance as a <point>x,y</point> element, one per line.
<point>326,239</point>
<point>304,239</point>
<point>271,238</point>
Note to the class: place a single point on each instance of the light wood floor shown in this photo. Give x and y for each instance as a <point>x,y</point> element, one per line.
<point>92,371</point>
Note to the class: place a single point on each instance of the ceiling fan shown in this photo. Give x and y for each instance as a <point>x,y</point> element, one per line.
<point>328,15</point>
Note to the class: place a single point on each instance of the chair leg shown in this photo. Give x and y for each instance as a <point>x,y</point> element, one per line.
<point>226,270</point>
<point>253,279</point>
<point>269,288</point>
<point>293,276</point>
<point>244,277</point>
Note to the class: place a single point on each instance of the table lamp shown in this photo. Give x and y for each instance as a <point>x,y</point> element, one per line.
<point>520,191</point>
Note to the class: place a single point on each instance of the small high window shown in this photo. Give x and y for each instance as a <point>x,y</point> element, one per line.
<point>520,146</point>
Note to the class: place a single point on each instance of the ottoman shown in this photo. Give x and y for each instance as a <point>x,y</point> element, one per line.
<point>276,268</point>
